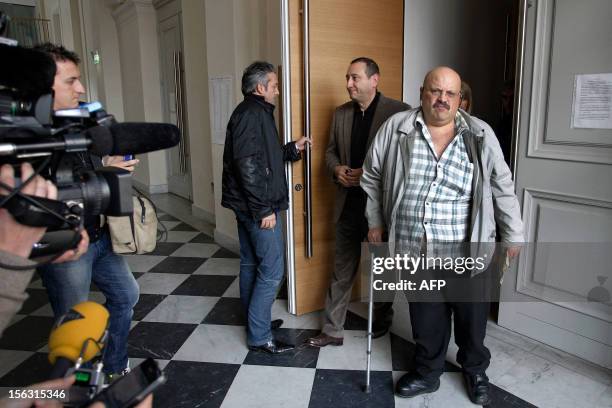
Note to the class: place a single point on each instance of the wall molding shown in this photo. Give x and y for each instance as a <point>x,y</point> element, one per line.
<point>541,144</point>
<point>150,189</point>
<point>161,3</point>
<point>199,212</point>
<point>227,241</point>
<point>526,263</point>
<point>129,9</point>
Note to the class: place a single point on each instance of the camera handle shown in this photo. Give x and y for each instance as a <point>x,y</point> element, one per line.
<point>40,212</point>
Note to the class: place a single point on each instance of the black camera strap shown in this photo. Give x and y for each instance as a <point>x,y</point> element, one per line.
<point>30,210</point>
<point>37,211</point>
<point>41,212</point>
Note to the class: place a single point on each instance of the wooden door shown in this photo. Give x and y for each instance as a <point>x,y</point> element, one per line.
<point>340,31</point>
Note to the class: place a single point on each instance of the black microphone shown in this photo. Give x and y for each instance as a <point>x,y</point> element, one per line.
<point>60,368</point>
<point>28,71</point>
<point>116,140</point>
<point>133,138</point>
<point>99,138</point>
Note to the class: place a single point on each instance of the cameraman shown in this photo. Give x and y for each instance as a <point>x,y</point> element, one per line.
<point>16,241</point>
<point>69,283</point>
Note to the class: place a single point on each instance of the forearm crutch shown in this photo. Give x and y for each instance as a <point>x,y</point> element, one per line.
<point>366,389</point>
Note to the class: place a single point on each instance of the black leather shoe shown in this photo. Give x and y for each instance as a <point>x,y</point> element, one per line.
<point>411,384</point>
<point>273,347</point>
<point>478,388</point>
<point>323,340</point>
<point>380,328</point>
<point>275,324</point>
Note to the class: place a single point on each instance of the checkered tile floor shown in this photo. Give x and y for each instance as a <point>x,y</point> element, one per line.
<point>190,319</point>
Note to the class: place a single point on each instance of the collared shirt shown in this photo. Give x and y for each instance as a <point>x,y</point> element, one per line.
<point>436,201</point>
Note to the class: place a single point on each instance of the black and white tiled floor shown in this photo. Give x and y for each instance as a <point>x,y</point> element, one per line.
<point>190,319</point>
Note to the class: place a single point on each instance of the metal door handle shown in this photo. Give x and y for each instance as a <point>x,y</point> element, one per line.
<point>180,122</point>
<point>183,120</point>
<point>307,131</point>
<point>177,107</point>
<point>287,137</point>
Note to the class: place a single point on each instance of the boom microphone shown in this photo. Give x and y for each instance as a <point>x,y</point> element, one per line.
<point>134,138</point>
<point>28,71</point>
<point>116,140</point>
<point>80,333</point>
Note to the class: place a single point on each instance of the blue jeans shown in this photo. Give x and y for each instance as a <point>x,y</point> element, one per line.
<point>261,271</point>
<point>68,284</point>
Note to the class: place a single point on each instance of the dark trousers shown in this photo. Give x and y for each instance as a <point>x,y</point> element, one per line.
<point>431,329</point>
<point>351,230</point>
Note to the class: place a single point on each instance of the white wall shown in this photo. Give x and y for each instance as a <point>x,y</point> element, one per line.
<point>108,72</point>
<point>196,92</point>
<point>58,11</point>
<point>136,23</point>
<point>460,34</point>
<point>97,33</point>
<point>221,61</point>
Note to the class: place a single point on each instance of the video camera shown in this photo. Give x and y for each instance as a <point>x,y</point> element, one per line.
<point>61,146</point>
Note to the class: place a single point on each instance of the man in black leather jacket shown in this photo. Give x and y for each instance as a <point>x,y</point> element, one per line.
<point>255,188</point>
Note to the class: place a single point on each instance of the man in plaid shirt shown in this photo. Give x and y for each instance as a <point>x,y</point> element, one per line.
<point>436,175</point>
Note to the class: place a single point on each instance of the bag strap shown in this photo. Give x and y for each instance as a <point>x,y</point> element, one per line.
<point>162,231</point>
<point>143,208</point>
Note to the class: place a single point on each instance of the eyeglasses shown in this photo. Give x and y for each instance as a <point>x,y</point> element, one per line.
<point>439,92</point>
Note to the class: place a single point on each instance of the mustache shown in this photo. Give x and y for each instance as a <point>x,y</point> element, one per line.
<point>441,104</point>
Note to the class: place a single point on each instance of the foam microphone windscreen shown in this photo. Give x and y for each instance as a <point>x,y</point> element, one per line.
<point>138,138</point>
<point>72,333</point>
<point>101,140</point>
<point>28,71</point>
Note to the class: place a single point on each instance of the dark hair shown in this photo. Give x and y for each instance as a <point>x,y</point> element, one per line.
<point>466,95</point>
<point>371,65</point>
<point>58,53</point>
<point>255,74</point>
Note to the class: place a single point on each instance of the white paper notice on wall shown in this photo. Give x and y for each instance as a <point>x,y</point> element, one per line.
<point>221,105</point>
<point>592,107</point>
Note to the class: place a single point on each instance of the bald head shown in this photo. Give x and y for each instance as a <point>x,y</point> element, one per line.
<point>442,72</point>
<point>440,96</point>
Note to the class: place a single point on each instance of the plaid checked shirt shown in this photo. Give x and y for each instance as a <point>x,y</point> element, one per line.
<point>437,198</point>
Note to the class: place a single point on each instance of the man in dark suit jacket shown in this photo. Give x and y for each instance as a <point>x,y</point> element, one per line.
<point>353,127</point>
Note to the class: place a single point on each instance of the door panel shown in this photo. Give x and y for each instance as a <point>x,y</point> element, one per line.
<point>340,31</point>
<point>563,177</point>
<point>179,171</point>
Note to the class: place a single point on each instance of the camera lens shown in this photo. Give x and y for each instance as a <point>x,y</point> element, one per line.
<point>96,193</point>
